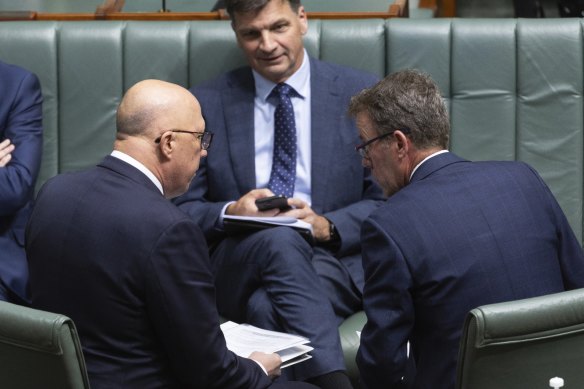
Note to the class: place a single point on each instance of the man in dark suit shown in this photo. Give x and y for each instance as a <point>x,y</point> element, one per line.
<point>21,144</point>
<point>107,248</point>
<point>274,278</point>
<point>454,235</point>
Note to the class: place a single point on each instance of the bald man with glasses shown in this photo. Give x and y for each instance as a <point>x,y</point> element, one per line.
<point>107,248</point>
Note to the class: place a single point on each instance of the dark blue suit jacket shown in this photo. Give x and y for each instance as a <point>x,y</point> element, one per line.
<point>132,271</point>
<point>342,189</point>
<point>21,122</point>
<point>460,235</point>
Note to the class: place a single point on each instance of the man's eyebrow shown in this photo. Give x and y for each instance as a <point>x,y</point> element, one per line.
<point>243,29</point>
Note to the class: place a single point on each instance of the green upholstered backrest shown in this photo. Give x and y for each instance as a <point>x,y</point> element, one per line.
<point>524,343</point>
<point>513,86</point>
<point>39,349</point>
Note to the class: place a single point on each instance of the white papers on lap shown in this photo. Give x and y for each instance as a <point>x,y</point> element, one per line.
<point>243,339</point>
<point>274,221</point>
<point>246,224</point>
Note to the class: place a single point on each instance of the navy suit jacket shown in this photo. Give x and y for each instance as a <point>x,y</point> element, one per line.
<point>108,250</point>
<point>342,189</point>
<point>460,235</point>
<point>21,122</point>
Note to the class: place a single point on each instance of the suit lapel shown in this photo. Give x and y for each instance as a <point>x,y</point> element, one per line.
<point>238,100</point>
<point>325,106</point>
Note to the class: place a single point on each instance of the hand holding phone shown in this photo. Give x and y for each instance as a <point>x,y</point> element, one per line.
<point>265,203</point>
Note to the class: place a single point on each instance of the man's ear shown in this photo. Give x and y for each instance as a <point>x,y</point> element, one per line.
<point>167,144</point>
<point>402,143</point>
<point>303,20</point>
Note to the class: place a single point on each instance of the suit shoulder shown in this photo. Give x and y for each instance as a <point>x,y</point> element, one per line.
<point>510,166</point>
<point>19,81</point>
<point>220,82</point>
<point>14,70</point>
<point>348,74</point>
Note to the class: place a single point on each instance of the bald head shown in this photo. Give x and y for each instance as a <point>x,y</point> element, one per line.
<point>151,106</point>
<point>160,125</point>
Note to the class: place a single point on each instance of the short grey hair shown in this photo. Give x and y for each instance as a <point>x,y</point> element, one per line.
<point>407,100</point>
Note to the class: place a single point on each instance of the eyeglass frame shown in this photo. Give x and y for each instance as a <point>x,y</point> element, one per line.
<point>205,144</point>
<point>362,148</point>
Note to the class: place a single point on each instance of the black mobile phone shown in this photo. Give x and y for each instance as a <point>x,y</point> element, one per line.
<point>265,203</point>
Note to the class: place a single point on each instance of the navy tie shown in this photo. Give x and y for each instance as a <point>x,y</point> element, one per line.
<point>283,172</point>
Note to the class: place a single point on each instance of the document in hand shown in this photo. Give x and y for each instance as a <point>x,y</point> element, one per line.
<point>238,224</point>
<point>243,339</point>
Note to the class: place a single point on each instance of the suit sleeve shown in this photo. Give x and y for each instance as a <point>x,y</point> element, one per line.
<point>388,304</point>
<point>183,312</point>
<point>23,126</point>
<point>570,252</point>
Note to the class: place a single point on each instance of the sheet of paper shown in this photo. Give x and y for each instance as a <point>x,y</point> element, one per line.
<point>243,339</point>
<point>275,220</point>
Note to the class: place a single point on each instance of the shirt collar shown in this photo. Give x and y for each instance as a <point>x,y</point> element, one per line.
<point>138,165</point>
<point>425,159</point>
<point>300,81</point>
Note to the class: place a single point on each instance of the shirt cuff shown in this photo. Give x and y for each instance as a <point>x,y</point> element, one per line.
<point>222,214</point>
<point>262,366</point>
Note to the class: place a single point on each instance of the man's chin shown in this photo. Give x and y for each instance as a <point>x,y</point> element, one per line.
<point>275,72</point>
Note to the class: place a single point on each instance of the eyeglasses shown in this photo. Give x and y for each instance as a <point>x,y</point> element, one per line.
<point>204,137</point>
<point>363,148</point>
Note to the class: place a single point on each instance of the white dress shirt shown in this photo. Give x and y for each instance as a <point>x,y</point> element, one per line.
<point>138,165</point>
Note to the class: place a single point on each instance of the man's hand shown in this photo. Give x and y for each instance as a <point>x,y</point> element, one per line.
<point>246,206</point>
<point>6,149</point>
<point>302,211</point>
<point>270,362</point>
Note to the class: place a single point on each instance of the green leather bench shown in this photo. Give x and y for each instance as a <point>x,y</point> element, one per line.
<point>514,87</point>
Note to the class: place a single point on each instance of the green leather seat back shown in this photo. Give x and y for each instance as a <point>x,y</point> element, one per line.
<point>524,343</point>
<point>39,349</point>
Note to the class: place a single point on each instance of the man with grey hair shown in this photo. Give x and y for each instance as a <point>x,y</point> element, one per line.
<point>453,235</point>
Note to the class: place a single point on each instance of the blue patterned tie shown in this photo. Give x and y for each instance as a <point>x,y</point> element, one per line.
<point>283,172</point>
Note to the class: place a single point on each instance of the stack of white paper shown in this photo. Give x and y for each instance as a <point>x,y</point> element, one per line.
<point>243,339</point>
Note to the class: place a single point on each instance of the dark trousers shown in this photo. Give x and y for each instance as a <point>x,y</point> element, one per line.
<point>267,279</point>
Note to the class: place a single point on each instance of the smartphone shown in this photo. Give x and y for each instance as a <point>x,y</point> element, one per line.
<point>265,203</point>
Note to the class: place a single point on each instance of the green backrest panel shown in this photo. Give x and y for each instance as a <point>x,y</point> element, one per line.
<point>524,343</point>
<point>39,349</point>
<point>91,85</point>
<point>513,87</point>
<point>213,50</point>
<point>549,107</point>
